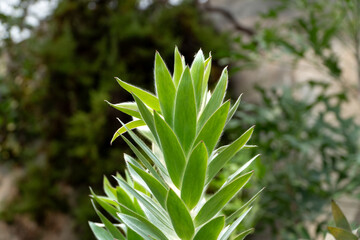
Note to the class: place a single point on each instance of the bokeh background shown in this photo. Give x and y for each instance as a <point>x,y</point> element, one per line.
<point>297,63</point>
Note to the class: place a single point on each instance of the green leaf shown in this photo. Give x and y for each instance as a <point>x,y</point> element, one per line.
<point>207,73</point>
<point>123,198</point>
<point>130,125</point>
<point>185,112</point>
<point>171,148</point>
<point>226,154</point>
<point>99,232</point>
<point>114,231</point>
<point>243,234</point>
<point>197,74</point>
<point>165,89</point>
<point>109,190</point>
<point>233,109</point>
<point>146,149</point>
<point>180,216</point>
<point>215,100</point>
<point>240,170</point>
<point>221,198</point>
<point>339,217</point>
<point>156,188</point>
<point>144,161</point>
<point>341,234</point>
<point>242,208</point>
<point>105,204</point>
<point>147,117</point>
<point>211,131</point>
<point>142,227</point>
<point>150,206</point>
<point>194,176</point>
<point>178,67</point>
<point>211,230</point>
<point>129,108</point>
<point>225,235</point>
<point>148,98</point>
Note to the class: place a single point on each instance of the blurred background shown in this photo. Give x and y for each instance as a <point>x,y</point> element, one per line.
<point>297,63</point>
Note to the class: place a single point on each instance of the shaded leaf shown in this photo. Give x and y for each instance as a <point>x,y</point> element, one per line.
<point>341,234</point>
<point>180,216</point>
<point>194,176</point>
<point>185,112</point>
<point>339,217</point>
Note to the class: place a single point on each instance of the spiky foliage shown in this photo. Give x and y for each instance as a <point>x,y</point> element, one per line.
<point>164,193</point>
<point>342,229</point>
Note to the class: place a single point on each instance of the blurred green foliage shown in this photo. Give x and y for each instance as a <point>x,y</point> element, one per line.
<point>310,152</point>
<point>54,121</point>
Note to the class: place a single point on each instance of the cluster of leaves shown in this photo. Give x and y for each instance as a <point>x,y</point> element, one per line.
<point>164,194</point>
<point>342,229</point>
<point>53,119</point>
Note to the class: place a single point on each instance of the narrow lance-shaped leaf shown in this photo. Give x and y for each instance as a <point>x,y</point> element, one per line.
<point>215,100</point>
<point>178,67</point>
<point>99,232</point>
<point>171,148</point>
<point>180,216</point>
<point>206,73</point>
<point>142,227</point>
<point>197,74</point>
<point>148,98</point>
<point>114,231</point>
<point>211,230</point>
<point>158,190</point>
<point>165,89</point>
<point>147,117</point>
<point>233,109</point>
<point>194,176</point>
<point>243,234</point>
<point>225,155</point>
<point>130,125</point>
<point>342,234</point>
<point>220,198</point>
<point>211,131</point>
<point>339,217</point>
<point>185,112</point>
<point>144,161</point>
<point>226,234</point>
<point>129,108</point>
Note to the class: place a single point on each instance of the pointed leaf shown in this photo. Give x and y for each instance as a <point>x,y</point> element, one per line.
<point>226,154</point>
<point>220,198</point>
<point>105,204</point>
<point>144,161</point>
<point>148,98</point>
<point>99,232</point>
<point>197,74</point>
<point>129,108</point>
<point>185,112</point>
<point>233,109</point>
<point>130,125</point>
<point>211,230</point>
<point>339,217</point>
<point>158,190</point>
<point>178,67</point>
<point>225,235</point>
<point>109,190</point>
<point>212,129</point>
<point>341,234</point>
<point>147,117</point>
<point>242,235</point>
<point>180,216</point>
<point>207,73</point>
<point>114,231</point>
<point>165,89</point>
<point>142,227</point>
<point>215,100</point>
<point>243,207</point>
<point>194,176</point>
<point>171,148</point>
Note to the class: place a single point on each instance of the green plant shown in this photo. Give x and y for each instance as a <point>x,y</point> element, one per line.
<point>164,193</point>
<point>342,229</point>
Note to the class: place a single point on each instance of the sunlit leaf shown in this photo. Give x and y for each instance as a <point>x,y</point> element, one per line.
<point>211,230</point>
